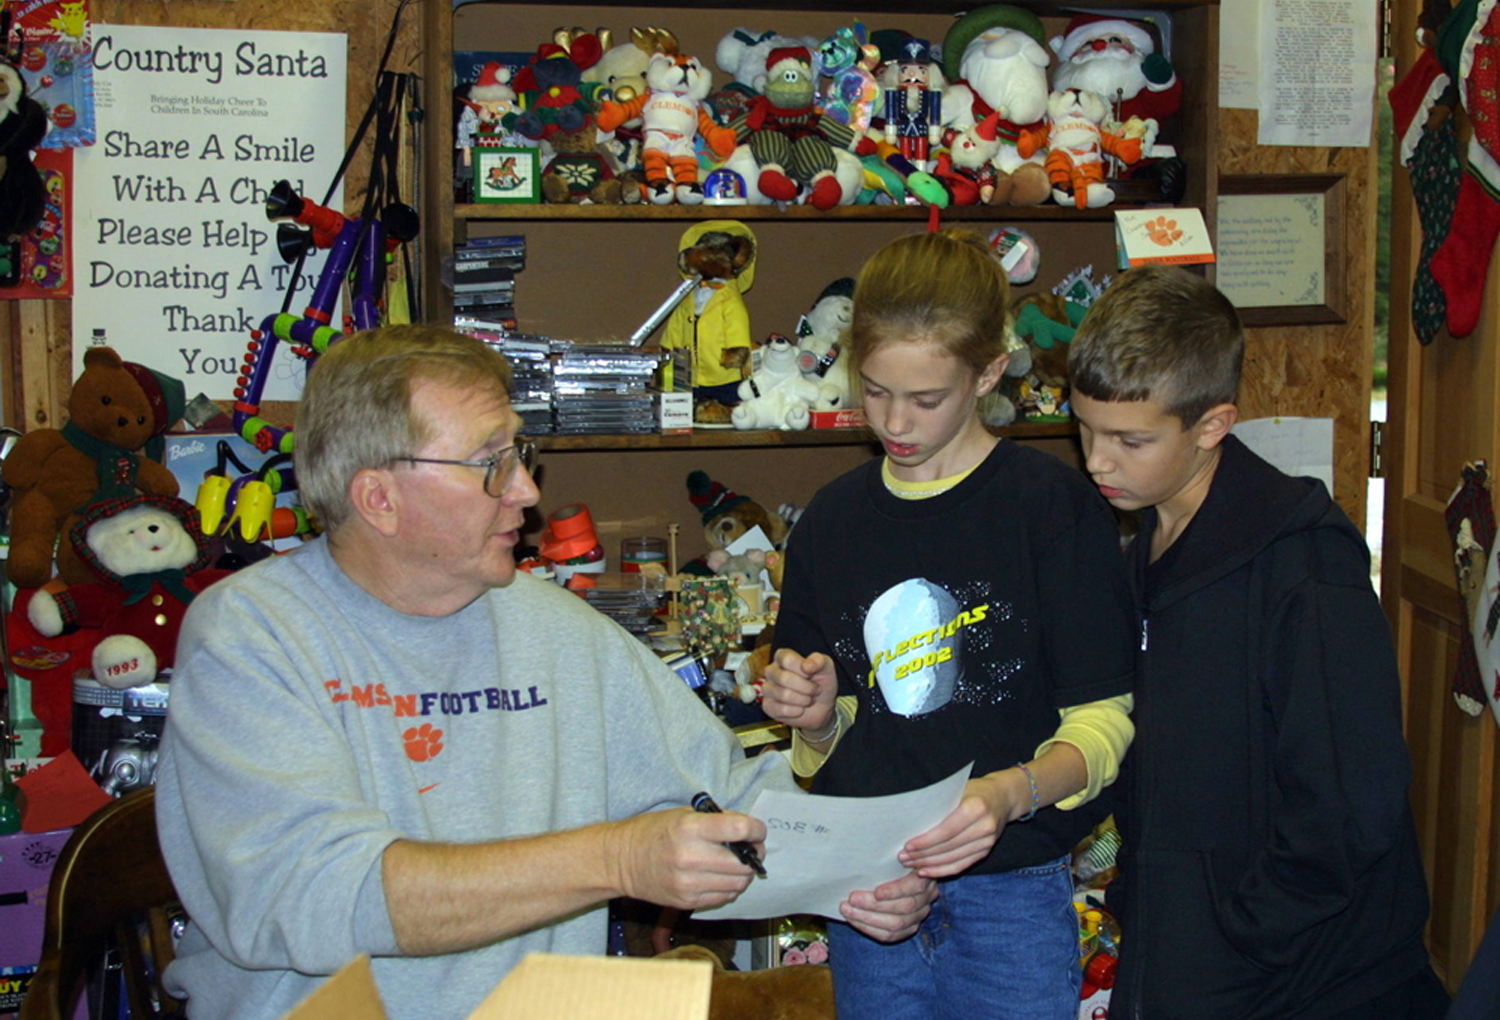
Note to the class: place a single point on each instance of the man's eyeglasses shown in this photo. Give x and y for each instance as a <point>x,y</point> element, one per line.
<point>499,467</point>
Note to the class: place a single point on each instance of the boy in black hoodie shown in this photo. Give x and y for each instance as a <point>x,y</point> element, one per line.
<point>1270,866</point>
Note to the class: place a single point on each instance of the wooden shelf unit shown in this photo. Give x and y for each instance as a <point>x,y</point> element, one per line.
<point>595,273</point>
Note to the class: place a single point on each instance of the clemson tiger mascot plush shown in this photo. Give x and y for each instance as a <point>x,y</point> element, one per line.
<point>1077,136</point>
<point>673,113</point>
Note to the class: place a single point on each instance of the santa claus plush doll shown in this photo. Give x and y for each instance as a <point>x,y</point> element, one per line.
<point>996,57</point>
<point>1117,59</point>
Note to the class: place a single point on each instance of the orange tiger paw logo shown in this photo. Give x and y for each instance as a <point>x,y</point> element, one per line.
<point>1163,231</point>
<point>423,743</point>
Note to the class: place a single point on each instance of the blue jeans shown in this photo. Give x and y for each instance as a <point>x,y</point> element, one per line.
<point>997,947</point>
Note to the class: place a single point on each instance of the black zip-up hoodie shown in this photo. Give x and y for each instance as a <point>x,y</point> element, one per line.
<point>1270,866</point>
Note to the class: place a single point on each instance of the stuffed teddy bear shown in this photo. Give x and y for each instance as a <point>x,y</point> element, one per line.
<point>116,408</point>
<point>821,334</point>
<point>777,395</point>
<point>1078,136</point>
<point>674,116</point>
<point>619,76</point>
<point>553,103</point>
<point>148,553</point>
<point>996,55</point>
<point>776,565</point>
<point>727,515</point>
<point>579,172</point>
<point>620,72</point>
<point>772,993</point>
<point>791,139</point>
<point>712,323</point>
<point>750,674</point>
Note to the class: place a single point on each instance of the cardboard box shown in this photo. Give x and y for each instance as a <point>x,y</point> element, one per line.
<point>26,860</point>
<point>544,985</point>
<point>846,418</point>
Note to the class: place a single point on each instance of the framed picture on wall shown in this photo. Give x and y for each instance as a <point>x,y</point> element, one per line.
<point>506,174</point>
<point>1281,248</point>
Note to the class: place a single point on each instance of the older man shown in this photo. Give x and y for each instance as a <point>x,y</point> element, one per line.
<point>390,743</point>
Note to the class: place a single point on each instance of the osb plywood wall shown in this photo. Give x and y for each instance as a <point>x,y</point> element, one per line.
<point>1321,371</point>
<point>35,350</point>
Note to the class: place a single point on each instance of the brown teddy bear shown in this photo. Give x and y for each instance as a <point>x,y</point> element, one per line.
<point>709,330</point>
<point>116,409</point>
<point>580,171</point>
<point>727,515</point>
<point>803,992</point>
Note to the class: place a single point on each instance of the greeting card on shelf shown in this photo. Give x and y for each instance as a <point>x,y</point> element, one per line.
<point>1177,236</point>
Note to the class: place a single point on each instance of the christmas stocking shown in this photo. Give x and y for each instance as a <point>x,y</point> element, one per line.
<point>1462,264</point>
<point>1435,178</point>
<point>1431,156</point>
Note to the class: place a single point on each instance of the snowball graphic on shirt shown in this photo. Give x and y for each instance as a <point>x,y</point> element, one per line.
<point>912,635</point>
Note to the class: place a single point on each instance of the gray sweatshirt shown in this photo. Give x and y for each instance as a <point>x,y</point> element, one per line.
<point>310,726</point>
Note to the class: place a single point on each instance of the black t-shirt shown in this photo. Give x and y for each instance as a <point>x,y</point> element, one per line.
<point>963,622</point>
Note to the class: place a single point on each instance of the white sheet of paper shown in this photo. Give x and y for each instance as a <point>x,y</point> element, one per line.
<point>1317,72</point>
<point>1297,446</point>
<point>821,849</point>
<point>1239,54</point>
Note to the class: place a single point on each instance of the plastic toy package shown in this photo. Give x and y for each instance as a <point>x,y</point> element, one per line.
<point>57,63</point>
<point>38,264</point>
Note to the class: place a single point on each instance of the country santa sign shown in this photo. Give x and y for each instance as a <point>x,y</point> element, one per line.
<point>175,261</point>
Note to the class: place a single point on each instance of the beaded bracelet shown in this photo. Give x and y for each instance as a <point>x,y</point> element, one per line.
<point>1036,798</point>
<point>828,734</point>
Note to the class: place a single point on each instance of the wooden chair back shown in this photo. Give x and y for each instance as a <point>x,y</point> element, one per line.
<point>110,895</point>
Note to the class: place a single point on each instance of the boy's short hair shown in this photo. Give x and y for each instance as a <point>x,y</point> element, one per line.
<point>1160,332</point>
<point>356,408</point>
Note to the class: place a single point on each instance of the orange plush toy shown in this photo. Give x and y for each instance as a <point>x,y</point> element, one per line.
<point>116,409</point>
<point>1077,137</point>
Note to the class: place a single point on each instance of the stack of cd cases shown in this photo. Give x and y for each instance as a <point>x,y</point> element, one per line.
<point>603,389</point>
<point>631,600</point>
<point>530,369</point>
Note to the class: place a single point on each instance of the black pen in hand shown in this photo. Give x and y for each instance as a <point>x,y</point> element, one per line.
<point>704,804</point>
